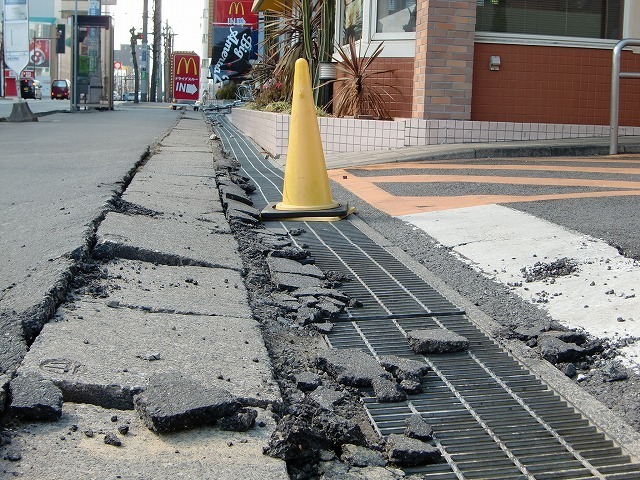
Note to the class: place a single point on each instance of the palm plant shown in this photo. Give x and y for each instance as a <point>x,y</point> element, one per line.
<point>302,29</point>
<point>359,94</point>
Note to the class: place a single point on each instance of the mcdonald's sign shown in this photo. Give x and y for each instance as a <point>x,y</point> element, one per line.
<point>185,68</point>
<point>235,12</point>
<point>237,8</point>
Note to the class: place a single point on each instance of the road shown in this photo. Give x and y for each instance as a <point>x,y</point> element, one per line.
<point>56,176</point>
<point>36,106</point>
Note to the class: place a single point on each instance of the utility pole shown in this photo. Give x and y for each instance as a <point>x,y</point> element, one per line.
<point>157,39</point>
<point>167,60</point>
<point>76,46</point>
<point>144,63</point>
<point>134,59</point>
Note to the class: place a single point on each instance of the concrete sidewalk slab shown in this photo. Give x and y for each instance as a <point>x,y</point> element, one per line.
<point>159,178</point>
<point>74,448</point>
<point>171,242</point>
<point>196,189</point>
<point>184,290</point>
<point>174,200</point>
<point>104,356</point>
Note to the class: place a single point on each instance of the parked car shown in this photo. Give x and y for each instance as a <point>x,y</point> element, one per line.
<point>30,88</point>
<point>131,96</point>
<point>182,104</point>
<point>60,89</point>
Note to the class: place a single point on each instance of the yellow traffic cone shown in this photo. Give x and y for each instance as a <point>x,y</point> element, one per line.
<point>306,193</point>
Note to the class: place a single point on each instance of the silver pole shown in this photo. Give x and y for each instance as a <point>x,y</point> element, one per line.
<point>615,99</point>
<point>615,90</point>
<point>75,59</point>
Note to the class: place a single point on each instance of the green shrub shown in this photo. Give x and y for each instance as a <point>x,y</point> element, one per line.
<point>271,92</point>
<point>227,92</point>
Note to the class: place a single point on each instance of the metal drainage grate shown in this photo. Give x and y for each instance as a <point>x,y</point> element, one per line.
<point>492,419</point>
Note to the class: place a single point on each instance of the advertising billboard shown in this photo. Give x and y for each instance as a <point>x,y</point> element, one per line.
<point>185,67</point>
<point>235,12</point>
<point>232,49</point>
<point>39,53</point>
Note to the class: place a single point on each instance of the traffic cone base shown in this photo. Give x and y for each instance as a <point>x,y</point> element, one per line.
<point>298,208</point>
<point>270,212</point>
<point>306,191</point>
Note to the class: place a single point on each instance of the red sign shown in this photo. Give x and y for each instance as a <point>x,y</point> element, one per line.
<point>186,76</point>
<point>117,65</point>
<point>238,12</point>
<point>39,52</point>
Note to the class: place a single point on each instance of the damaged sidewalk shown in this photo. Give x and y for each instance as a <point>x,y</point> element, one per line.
<point>157,342</point>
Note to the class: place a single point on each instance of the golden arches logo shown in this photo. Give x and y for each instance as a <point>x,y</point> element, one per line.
<point>188,64</point>
<point>239,7</point>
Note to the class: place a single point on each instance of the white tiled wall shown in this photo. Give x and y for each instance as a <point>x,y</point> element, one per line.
<point>271,132</point>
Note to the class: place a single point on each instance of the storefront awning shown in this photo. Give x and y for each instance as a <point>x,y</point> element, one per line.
<point>271,5</point>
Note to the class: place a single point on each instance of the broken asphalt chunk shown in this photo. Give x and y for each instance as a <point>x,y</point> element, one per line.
<point>351,367</point>
<point>286,265</point>
<point>307,381</point>
<point>555,350</point>
<point>289,281</point>
<point>34,397</point>
<point>357,456</point>
<point>327,398</point>
<point>416,427</point>
<point>292,253</point>
<point>233,192</point>
<point>302,435</point>
<point>404,368</point>
<point>410,452</point>
<point>320,292</point>
<point>172,402</point>
<point>436,340</point>
<point>387,391</point>
<point>240,421</point>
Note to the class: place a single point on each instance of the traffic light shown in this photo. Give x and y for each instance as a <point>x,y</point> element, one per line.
<point>139,36</point>
<point>60,34</point>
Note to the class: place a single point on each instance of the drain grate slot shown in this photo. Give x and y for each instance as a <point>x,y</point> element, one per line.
<point>494,420</point>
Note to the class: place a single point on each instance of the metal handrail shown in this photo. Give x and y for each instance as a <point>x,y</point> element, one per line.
<point>616,75</point>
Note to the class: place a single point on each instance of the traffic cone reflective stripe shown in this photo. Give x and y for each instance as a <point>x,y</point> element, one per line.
<point>306,183</point>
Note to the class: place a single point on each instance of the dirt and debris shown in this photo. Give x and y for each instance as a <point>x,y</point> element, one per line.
<point>542,271</point>
<point>323,430</point>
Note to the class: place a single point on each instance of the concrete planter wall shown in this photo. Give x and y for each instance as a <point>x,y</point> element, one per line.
<point>271,132</point>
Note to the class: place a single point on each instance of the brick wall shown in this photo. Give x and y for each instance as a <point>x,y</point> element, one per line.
<point>552,85</point>
<point>443,70</point>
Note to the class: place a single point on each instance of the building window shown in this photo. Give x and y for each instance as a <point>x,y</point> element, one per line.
<point>395,16</point>
<point>352,21</point>
<point>566,18</point>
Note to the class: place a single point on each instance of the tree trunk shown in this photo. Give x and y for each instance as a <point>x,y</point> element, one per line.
<point>134,59</point>
<point>157,49</point>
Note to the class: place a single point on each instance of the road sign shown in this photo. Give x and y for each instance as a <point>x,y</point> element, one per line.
<point>185,67</point>
<point>16,34</point>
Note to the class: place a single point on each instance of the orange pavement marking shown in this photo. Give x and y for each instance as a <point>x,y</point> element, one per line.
<point>565,182</point>
<point>450,166</point>
<point>541,160</point>
<point>366,188</point>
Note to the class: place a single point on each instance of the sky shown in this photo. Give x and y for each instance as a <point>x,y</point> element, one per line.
<point>184,17</point>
